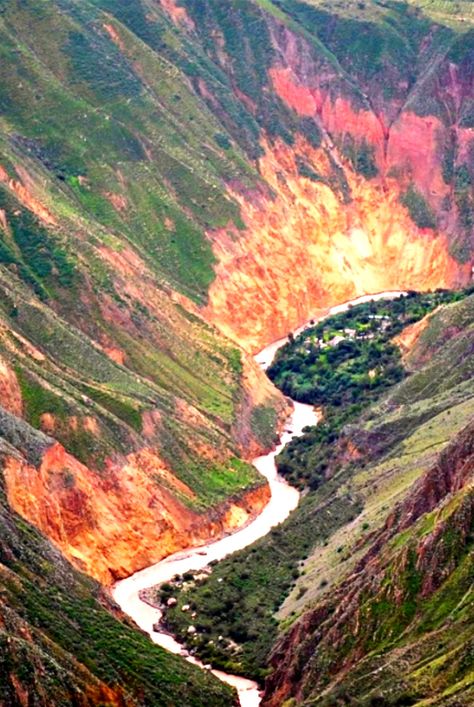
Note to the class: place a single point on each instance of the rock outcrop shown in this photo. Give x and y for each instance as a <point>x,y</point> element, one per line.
<point>113,524</point>
<point>373,207</point>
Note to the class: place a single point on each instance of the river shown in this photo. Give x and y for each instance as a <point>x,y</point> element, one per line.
<point>284,499</point>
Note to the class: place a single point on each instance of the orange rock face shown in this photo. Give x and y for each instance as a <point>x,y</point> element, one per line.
<point>410,335</point>
<point>408,146</point>
<point>113,525</point>
<point>178,14</point>
<point>304,249</point>
<point>23,190</point>
<point>115,354</point>
<point>310,243</point>
<point>135,511</point>
<point>118,201</point>
<point>10,394</point>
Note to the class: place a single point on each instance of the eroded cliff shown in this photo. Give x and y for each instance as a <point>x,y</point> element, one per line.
<point>120,472</point>
<point>109,526</point>
<point>369,195</point>
<point>304,250</point>
<point>63,641</point>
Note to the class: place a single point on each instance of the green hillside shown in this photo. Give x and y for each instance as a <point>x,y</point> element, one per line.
<point>61,643</point>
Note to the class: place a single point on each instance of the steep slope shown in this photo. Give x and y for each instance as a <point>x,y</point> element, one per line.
<point>147,427</point>
<point>138,397</point>
<point>400,629</point>
<point>61,644</point>
<point>148,153</point>
<point>389,596</point>
<point>367,151</point>
<point>331,142</point>
<point>175,172</point>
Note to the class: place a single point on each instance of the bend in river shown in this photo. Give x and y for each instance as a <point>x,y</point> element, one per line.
<point>284,499</point>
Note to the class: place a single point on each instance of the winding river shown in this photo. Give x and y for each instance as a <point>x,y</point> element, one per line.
<point>284,499</point>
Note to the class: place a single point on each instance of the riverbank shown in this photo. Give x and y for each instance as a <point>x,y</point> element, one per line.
<point>265,357</point>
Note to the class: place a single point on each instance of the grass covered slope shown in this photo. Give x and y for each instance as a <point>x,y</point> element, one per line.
<point>343,364</point>
<point>61,644</point>
<point>403,621</point>
<point>138,421</point>
<point>144,146</point>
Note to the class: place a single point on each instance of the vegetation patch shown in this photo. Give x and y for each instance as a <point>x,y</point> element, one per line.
<point>343,364</point>
<point>226,615</point>
<point>125,409</point>
<point>263,422</point>
<point>420,211</point>
<point>232,607</point>
<point>40,259</point>
<point>73,640</point>
<point>464,200</point>
<point>103,67</point>
<point>361,155</point>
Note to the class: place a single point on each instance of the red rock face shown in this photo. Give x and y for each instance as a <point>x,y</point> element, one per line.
<point>177,13</point>
<point>305,250</point>
<point>112,525</point>
<point>307,247</point>
<point>408,146</point>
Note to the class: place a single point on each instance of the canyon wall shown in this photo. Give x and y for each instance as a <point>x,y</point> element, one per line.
<point>182,182</point>
<point>407,570</point>
<point>235,170</point>
<point>305,251</point>
<point>120,480</point>
<point>112,526</point>
<point>364,200</point>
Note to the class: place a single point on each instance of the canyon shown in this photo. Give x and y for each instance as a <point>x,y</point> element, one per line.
<point>134,594</point>
<point>181,183</point>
